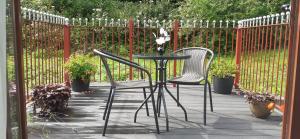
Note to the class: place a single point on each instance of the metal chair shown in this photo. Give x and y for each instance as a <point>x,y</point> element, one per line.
<point>195,71</point>
<point>141,84</point>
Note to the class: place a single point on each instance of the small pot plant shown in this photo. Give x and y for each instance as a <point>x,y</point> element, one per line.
<point>223,76</point>
<point>80,67</point>
<point>50,99</point>
<point>261,104</point>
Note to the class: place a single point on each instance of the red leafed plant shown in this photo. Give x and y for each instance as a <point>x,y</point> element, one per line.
<point>254,98</point>
<point>51,98</point>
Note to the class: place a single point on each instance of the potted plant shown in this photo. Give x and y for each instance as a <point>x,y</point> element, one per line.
<point>50,99</point>
<point>223,76</point>
<point>261,104</point>
<point>80,68</point>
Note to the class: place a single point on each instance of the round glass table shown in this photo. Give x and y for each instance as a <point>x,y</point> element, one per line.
<point>161,80</point>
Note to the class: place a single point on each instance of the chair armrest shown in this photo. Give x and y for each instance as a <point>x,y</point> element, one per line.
<point>121,60</point>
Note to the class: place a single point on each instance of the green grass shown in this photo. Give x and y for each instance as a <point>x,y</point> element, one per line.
<point>262,72</point>
<point>34,74</point>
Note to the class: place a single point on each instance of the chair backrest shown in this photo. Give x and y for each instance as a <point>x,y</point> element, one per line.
<point>104,56</point>
<point>199,63</point>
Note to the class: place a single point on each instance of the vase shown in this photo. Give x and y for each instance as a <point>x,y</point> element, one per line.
<point>160,50</point>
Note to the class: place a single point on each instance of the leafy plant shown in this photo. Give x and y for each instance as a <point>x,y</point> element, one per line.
<point>255,97</point>
<point>51,98</point>
<point>80,67</point>
<point>223,69</point>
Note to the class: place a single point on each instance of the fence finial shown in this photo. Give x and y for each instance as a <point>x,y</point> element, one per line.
<point>194,23</point>
<point>272,18</point>
<point>260,18</point>
<point>214,23</point>
<point>264,20</point>
<point>277,18</point>
<point>282,18</point>
<point>24,13</point>
<point>119,22</point>
<point>181,23</point>
<point>227,23</point>
<point>207,23</point>
<point>201,23</point>
<point>221,23</point>
<point>86,21</point>
<point>138,23</point>
<point>233,23</point>
<point>93,21</point>
<point>112,22</point>
<point>241,23</point>
<point>125,23</point>
<point>66,21</point>
<point>80,21</point>
<point>150,23</point>
<point>105,21</point>
<point>268,19</point>
<point>187,23</point>
<point>288,17</point>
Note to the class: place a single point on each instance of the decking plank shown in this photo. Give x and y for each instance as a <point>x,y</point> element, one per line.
<point>231,118</point>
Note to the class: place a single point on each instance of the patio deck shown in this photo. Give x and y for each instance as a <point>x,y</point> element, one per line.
<point>231,118</point>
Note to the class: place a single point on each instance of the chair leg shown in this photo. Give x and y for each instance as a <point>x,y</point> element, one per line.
<point>145,97</point>
<point>204,109</point>
<point>158,104</point>
<point>154,110</point>
<point>210,97</point>
<point>104,114</point>
<point>108,112</point>
<point>177,95</point>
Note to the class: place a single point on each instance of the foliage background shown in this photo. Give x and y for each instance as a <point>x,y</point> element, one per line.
<point>159,9</point>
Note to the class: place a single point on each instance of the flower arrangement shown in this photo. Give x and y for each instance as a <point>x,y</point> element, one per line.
<point>162,39</point>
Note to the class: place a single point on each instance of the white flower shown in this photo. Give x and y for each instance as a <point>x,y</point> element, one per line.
<point>160,40</point>
<point>164,37</point>
<point>163,32</point>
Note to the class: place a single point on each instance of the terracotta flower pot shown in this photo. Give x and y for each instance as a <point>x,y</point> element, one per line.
<point>260,109</point>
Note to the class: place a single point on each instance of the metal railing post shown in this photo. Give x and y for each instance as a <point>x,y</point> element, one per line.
<point>175,30</point>
<point>238,51</point>
<point>131,31</point>
<point>67,48</point>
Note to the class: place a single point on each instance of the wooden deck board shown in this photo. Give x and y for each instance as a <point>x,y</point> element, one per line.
<point>231,118</point>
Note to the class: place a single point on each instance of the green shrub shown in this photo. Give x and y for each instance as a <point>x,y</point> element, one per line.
<point>223,68</point>
<point>81,66</point>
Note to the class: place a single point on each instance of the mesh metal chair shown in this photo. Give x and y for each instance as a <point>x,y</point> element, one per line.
<point>141,84</point>
<point>195,71</point>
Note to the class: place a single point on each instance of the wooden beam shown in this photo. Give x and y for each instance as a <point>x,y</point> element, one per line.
<point>291,120</point>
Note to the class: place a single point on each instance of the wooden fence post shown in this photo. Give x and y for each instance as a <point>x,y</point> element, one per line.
<point>175,31</point>
<point>131,31</point>
<point>238,56</point>
<point>291,120</point>
<point>67,49</point>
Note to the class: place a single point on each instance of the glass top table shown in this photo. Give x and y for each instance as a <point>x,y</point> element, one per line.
<point>161,80</point>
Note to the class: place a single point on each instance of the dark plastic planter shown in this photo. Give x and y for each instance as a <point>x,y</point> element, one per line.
<point>79,85</point>
<point>223,85</point>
